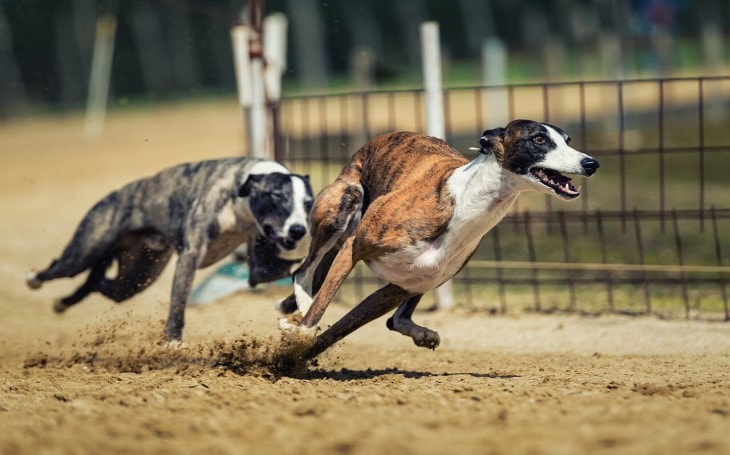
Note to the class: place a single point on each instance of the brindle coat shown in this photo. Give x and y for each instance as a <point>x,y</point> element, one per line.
<point>201,211</point>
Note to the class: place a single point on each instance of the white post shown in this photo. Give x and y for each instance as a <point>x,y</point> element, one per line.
<point>494,70</point>
<point>99,81</point>
<point>275,26</point>
<point>242,65</point>
<point>434,99</point>
<point>611,56</point>
<point>362,62</point>
<point>275,54</point>
<point>260,148</point>
<point>249,65</point>
<point>431,50</point>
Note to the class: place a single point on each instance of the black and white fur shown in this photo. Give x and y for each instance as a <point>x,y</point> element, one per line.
<point>415,210</point>
<point>201,211</point>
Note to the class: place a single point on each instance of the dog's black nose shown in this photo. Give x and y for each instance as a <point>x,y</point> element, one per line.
<point>590,166</point>
<point>297,231</point>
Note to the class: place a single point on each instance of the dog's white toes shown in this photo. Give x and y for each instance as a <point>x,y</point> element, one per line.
<point>176,345</point>
<point>286,325</point>
<point>293,329</point>
<point>32,281</point>
<point>290,323</point>
<point>309,332</point>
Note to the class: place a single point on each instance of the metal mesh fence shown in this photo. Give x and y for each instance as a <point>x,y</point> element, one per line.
<point>649,232</point>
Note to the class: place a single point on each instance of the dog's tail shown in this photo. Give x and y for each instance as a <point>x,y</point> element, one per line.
<point>91,241</point>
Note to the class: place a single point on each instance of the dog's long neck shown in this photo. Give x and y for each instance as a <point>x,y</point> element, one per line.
<point>483,192</point>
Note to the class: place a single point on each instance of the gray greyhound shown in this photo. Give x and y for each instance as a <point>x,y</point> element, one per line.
<point>203,211</point>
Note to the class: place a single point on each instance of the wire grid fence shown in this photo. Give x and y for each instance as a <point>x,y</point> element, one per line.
<point>646,237</point>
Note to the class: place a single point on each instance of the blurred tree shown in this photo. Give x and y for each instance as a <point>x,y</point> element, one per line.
<point>178,47</point>
<point>182,57</point>
<point>150,40</point>
<point>479,22</point>
<point>74,29</point>
<point>12,89</point>
<point>410,14</point>
<point>309,45</point>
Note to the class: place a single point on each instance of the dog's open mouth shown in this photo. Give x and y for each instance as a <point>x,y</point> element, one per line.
<point>556,181</point>
<point>284,242</point>
<point>288,244</point>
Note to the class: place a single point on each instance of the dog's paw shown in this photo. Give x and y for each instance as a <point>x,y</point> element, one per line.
<point>421,336</point>
<point>293,329</point>
<point>175,345</point>
<point>32,281</point>
<point>287,305</point>
<point>59,306</point>
<point>287,326</point>
<point>291,322</point>
<point>426,338</point>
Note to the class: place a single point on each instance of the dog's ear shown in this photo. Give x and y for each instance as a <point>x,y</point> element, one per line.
<point>492,141</point>
<point>307,183</point>
<point>245,189</point>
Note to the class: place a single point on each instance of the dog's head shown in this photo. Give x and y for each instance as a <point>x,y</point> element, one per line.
<point>540,154</point>
<point>280,204</point>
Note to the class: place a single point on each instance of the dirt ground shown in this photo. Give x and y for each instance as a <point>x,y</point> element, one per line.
<point>94,380</point>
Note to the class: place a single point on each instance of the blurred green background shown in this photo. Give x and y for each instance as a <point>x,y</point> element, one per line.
<point>172,49</point>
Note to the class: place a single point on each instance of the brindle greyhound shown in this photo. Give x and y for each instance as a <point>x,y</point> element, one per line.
<point>202,211</point>
<point>415,210</point>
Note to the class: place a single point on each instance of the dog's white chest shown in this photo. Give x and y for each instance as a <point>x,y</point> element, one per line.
<point>425,265</point>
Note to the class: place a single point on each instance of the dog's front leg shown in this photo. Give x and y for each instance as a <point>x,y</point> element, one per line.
<point>375,305</point>
<point>341,267</point>
<point>181,284</point>
<point>401,322</point>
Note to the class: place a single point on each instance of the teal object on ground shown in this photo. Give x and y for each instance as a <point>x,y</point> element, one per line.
<point>227,279</point>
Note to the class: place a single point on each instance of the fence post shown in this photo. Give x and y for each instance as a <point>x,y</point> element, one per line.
<point>494,69</point>
<point>275,26</point>
<point>242,65</point>
<point>257,78</point>
<point>101,68</point>
<point>433,87</point>
<point>261,146</point>
<point>431,51</point>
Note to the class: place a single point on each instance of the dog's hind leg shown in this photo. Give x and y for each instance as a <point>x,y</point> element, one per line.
<point>96,275</point>
<point>137,271</point>
<point>401,322</point>
<point>71,263</point>
<point>90,243</point>
<point>375,305</point>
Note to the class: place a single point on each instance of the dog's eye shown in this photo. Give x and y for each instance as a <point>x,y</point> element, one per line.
<point>308,206</point>
<point>538,140</point>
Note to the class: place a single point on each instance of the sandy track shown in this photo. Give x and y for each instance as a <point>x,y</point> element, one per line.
<point>94,380</point>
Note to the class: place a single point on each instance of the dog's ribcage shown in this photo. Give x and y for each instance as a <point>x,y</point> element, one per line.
<point>483,194</point>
